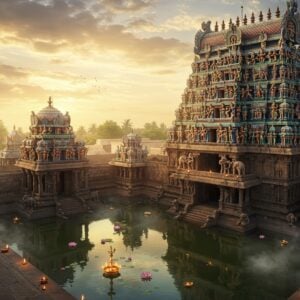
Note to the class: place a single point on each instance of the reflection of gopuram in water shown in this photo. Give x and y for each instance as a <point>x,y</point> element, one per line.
<point>45,245</point>
<point>233,152</point>
<point>214,262</point>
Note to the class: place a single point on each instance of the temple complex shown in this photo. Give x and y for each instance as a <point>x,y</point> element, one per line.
<point>10,153</point>
<point>129,164</point>
<point>54,165</point>
<point>234,149</point>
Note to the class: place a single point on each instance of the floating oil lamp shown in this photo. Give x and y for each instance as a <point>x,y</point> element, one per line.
<point>283,243</point>
<point>16,220</point>
<point>5,249</point>
<point>82,297</point>
<point>188,284</point>
<point>43,280</point>
<point>111,269</point>
<point>24,262</point>
<point>209,263</point>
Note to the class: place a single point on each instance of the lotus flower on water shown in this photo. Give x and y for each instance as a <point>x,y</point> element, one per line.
<point>72,244</point>
<point>146,276</point>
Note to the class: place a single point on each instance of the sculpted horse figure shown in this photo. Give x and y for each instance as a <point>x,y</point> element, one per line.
<point>238,167</point>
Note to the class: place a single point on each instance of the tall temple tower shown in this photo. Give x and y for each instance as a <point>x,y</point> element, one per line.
<point>55,167</point>
<point>235,144</point>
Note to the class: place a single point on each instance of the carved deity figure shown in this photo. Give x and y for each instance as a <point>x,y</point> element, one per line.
<point>238,167</point>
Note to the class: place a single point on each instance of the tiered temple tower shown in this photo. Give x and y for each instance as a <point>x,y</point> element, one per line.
<point>54,164</point>
<point>10,154</point>
<point>235,143</point>
<point>130,164</point>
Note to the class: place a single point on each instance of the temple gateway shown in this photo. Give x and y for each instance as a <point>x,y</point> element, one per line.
<point>234,149</point>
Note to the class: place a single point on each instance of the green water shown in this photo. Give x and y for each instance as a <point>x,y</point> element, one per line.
<point>222,265</point>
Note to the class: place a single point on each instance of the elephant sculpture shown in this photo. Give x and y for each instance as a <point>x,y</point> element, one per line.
<point>243,220</point>
<point>291,218</point>
<point>238,167</point>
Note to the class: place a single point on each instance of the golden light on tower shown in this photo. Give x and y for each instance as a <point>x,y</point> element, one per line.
<point>111,269</point>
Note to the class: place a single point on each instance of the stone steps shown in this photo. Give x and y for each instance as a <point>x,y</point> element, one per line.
<point>70,206</point>
<point>198,214</point>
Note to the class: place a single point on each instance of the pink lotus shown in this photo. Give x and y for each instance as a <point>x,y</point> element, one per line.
<point>146,276</point>
<point>72,244</point>
<point>117,227</point>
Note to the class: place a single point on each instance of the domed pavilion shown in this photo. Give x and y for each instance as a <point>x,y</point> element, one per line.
<point>54,164</point>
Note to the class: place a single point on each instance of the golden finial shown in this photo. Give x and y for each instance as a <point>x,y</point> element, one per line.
<point>277,13</point>
<point>50,101</point>
<point>216,27</point>
<point>252,18</point>
<point>261,16</point>
<point>223,25</point>
<point>238,21</point>
<point>269,15</point>
<point>245,20</point>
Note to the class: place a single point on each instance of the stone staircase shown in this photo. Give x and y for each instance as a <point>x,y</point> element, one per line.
<point>198,214</point>
<point>67,206</point>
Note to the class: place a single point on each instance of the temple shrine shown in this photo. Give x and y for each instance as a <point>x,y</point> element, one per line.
<point>234,149</point>
<point>130,163</point>
<point>54,165</point>
<point>10,153</point>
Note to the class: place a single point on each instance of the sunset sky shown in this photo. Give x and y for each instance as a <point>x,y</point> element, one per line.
<point>103,59</point>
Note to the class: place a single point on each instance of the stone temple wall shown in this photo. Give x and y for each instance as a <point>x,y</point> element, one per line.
<point>10,189</point>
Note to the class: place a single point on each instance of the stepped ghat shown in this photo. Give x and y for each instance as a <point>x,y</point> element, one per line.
<point>235,142</point>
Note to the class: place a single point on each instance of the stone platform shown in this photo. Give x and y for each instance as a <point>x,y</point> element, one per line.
<point>21,282</point>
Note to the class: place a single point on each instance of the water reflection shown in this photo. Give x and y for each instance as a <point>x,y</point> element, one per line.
<point>222,265</point>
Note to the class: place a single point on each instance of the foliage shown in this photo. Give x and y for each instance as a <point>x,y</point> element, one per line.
<point>154,132</point>
<point>111,130</point>
<point>3,134</point>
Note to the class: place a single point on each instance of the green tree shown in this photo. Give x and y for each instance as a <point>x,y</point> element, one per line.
<point>126,126</point>
<point>81,134</point>
<point>155,132</point>
<point>109,130</point>
<point>92,134</point>
<point>3,134</point>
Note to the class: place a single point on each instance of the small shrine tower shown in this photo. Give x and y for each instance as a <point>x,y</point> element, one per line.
<point>130,163</point>
<point>10,154</point>
<point>55,167</point>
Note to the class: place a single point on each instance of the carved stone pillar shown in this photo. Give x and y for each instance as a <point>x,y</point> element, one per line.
<point>33,183</point>
<point>86,182</point>
<point>54,189</point>
<point>221,199</point>
<point>40,184</point>
<point>75,183</point>
<point>241,197</point>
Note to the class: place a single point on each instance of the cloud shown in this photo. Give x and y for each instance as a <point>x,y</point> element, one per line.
<point>127,5</point>
<point>60,26</point>
<point>12,72</point>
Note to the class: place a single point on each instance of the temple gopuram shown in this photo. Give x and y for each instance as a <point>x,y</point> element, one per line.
<point>129,164</point>
<point>54,165</point>
<point>234,149</point>
<point>10,153</point>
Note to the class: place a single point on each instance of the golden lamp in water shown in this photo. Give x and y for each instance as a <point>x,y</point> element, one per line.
<point>111,269</point>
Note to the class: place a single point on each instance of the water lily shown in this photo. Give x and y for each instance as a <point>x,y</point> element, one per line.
<point>72,244</point>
